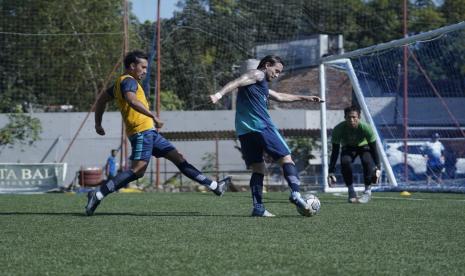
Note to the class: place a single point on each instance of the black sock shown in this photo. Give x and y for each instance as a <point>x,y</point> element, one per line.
<point>194,174</point>
<point>256,187</point>
<point>119,181</point>
<point>351,191</point>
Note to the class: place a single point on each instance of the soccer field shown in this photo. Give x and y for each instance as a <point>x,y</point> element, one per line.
<point>200,234</point>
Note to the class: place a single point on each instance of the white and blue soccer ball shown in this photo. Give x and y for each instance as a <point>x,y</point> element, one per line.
<point>313,206</point>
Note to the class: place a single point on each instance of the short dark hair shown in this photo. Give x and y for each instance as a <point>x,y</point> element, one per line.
<point>352,108</point>
<point>132,57</point>
<point>272,59</point>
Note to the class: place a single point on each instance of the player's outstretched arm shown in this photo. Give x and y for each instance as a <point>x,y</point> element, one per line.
<point>100,106</point>
<point>248,78</point>
<point>283,97</point>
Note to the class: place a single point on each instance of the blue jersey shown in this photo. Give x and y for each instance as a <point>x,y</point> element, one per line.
<point>251,108</point>
<point>111,163</point>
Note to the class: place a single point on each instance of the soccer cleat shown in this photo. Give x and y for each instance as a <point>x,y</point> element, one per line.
<point>365,198</point>
<point>352,197</point>
<point>92,203</point>
<point>353,200</point>
<point>222,186</point>
<point>261,213</point>
<point>297,200</point>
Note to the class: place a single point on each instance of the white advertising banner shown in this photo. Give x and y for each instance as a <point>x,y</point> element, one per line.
<point>31,178</point>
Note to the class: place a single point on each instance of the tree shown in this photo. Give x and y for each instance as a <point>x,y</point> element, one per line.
<point>21,129</point>
<point>58,52</point>
<point>425,16</point>
<point>301,149</point>
<point>453,10</point>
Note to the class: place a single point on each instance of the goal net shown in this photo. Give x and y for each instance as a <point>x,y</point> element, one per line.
<point>411,91</point>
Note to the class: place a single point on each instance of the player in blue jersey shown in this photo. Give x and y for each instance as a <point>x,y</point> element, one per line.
<point>256,131</point>
<point>110,166</point>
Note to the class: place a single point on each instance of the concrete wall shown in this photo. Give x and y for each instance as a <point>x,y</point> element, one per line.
<point>92,150</point>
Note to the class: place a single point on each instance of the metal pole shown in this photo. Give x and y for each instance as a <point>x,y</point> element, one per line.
<point>363,105</point>
<point>405,107</point>
<point>124,145</point>
<point>157,178</point>
<point>397,43</point>
<point>217,163</point>
<point>324,138</point>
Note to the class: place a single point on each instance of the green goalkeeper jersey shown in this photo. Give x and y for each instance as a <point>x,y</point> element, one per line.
<point>345,135</point>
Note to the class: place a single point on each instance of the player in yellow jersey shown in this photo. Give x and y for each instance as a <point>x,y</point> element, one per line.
<point>140,127</point>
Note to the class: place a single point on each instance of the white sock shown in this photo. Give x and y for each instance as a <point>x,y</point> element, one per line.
<point>99,195</point>
<point>213,185</point>
<point>368,189</point>
<point>295,195</point>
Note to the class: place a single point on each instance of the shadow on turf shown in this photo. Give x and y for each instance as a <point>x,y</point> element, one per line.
<point>147,214</point>
<point>323,202</point>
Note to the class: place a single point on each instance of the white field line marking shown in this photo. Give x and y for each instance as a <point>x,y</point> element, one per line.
<point>402,198</point>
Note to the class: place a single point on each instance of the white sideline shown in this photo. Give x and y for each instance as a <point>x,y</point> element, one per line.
<point>400,198</point>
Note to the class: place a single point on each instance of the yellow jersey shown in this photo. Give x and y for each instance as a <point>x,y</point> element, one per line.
<point>135,121</point>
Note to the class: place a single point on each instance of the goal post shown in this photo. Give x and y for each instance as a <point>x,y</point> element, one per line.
<point>411,101</point>
<point>347,67</point>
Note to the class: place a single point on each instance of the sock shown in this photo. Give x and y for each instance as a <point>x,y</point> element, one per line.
<point>256,187</point>
<point>213,185</point>
<point>194,174</point>
<point>351,190</point>
<point>118,182</point>
<point>368,189</point>
<point>292,176</point>
<point>295,195</point>
<point>99,195</point>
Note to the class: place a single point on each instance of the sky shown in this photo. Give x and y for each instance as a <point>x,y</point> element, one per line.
<point>147,9</point>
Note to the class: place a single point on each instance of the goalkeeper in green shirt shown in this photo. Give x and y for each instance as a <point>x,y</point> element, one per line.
<point>356,139</point>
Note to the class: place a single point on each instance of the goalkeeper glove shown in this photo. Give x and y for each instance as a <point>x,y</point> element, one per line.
<point>376,175</point>
<point>332,180</point>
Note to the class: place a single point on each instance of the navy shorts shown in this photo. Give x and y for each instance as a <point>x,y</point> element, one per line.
<point>253,144</point>
<point>434,170</point>
<point>147,143</point>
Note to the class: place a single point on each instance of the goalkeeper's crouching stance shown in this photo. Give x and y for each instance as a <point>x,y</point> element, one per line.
<point>140,127</point>
<point>356,139</point>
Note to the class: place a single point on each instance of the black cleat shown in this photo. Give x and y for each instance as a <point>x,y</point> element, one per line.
<point>92,203</point>
<point>222,186</point>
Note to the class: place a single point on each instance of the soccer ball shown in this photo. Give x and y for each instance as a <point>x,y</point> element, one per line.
<point>313,203</point>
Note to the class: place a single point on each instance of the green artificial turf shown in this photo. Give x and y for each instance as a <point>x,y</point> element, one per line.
<point>201,234</point>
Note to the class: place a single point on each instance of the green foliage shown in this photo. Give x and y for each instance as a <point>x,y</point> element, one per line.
<point>21,129</point>
<point>67,50</point>
<point>60,52</point>
<point>170,101</point>
<point>206,38</point>
<point>209,159</point>
<point>301,149</point>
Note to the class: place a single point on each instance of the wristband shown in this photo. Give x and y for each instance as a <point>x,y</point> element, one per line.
<point>218,95</point>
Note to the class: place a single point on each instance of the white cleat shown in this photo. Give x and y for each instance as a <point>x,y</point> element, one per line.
<point>260,213</point>
<point>365,198</point>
